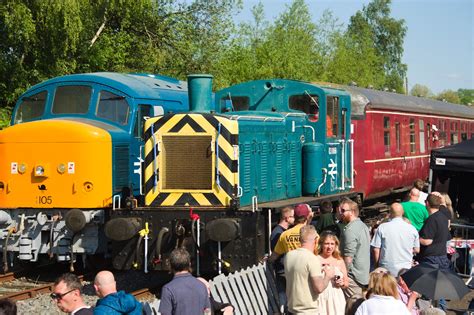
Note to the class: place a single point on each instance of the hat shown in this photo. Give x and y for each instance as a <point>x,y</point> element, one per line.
<point>434,128</point>
<point>302,210</point>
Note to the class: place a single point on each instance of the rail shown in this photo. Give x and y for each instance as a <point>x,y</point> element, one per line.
<point>32,292</point>
<point>7,277</point>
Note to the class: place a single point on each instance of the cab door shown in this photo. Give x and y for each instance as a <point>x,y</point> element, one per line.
<point>339,144</point>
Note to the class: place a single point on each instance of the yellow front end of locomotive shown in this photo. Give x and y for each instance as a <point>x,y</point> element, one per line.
<point>55,164</point>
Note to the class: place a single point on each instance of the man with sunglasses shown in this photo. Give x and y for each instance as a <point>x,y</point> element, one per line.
<point>355,248</point>
<point>67,295</point>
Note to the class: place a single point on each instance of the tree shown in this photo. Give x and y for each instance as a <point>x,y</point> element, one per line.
<point>284,49</point>
<point>466,96</point>
<point>387,34</point>
<point>355,60</point>
<point>44,39</point>
<point>421,91</point>
<point>449,96</point>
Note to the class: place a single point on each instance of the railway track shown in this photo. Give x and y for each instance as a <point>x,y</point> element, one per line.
<point>141,294</point>
<point>7,277</point>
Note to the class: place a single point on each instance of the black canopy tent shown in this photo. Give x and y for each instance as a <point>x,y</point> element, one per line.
<point>452,171</point>
<point>458,157</point>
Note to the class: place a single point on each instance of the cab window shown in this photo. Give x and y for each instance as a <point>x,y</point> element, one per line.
<point>235,103</point>
<point>112,107</point>
<point>72,99</point>
<point>306,103</point>
<point>143,111</point>
<point>31,107</point>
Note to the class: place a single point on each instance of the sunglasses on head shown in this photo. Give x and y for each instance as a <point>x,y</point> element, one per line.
<point>59,296</point>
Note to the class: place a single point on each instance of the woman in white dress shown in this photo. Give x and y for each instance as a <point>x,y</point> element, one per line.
<point>331,300</point>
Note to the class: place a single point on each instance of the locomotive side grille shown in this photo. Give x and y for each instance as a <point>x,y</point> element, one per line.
<point>279,165</point>
<point>293,163</point>
<point>121,156</point>
<point>247,158</point>
<point>187,162</point>
<point>264,166</point>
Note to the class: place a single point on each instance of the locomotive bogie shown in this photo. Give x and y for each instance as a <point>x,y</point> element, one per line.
<point>31,233</point>
<point>219,241</point>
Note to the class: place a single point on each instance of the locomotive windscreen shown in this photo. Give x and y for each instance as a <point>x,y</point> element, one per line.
<point>187,162</point>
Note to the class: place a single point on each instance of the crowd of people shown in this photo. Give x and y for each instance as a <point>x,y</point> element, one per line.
<point>336,266</point>
<point>339,266</point>
<point>184,294</point>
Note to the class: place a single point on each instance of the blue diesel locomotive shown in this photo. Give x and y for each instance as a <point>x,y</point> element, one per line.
<point>216,176</point>
<point>73,152</point>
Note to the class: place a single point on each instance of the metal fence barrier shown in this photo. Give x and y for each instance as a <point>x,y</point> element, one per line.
<point>250,291</point>
<point>463,242</point>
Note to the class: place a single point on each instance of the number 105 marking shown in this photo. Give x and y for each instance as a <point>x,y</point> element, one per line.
<point>44,200</point>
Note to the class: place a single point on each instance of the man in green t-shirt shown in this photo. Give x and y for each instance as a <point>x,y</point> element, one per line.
<point>414,211</point>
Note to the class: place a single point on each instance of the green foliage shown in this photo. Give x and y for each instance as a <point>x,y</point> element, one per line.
<point>355,60</point>
<point>387,35</point>
<point>44,39</point>
<point>449,96</point>
<point>5,114</point>
<point>421,91</point>
<point>466,96</point>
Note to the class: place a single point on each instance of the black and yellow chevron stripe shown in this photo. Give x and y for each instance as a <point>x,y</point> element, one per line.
<point>208,125</point>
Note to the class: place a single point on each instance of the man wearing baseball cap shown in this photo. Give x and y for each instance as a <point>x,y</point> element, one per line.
<point>290,239</point>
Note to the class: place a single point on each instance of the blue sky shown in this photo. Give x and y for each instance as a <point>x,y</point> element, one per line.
<point>439,44</point>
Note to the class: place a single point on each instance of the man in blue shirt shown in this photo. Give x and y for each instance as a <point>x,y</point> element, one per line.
<point>395,242</point>
<point>184,295</point>
<point>112,302</point>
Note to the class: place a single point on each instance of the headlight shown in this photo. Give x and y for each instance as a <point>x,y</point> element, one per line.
<point>22,168</point>
<point>61,168</point>
<point>39,170</point>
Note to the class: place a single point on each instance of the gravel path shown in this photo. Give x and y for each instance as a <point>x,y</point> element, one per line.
<point>127,281</point>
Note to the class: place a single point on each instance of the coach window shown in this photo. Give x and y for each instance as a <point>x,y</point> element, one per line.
<point>463,131</point>
<point>442,133</point>
<point>386,134</point>
<point>412,136</point>
<point>112,107</point>
<point>454,133</point>
<point>31,107</point>
<point>142,112</point>
<point>72,99</point>
<point>332,119</point>
<point>235,103</point>
<point>397,136</point>
<point>421,124</point>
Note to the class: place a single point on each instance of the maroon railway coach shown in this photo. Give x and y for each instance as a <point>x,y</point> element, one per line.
<point>394,134</point>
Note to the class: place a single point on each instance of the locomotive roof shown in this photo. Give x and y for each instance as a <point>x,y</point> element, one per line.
<point>137,85</point>
<point>363,99</point>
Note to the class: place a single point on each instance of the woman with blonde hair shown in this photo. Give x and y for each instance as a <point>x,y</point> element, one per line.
<point>331,301</point>
<point>449,204</point>
<point>384,298</point>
